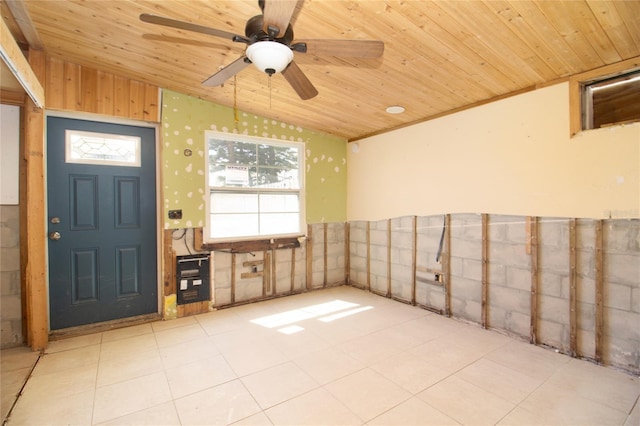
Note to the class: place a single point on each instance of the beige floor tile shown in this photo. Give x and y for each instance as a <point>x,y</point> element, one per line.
<point>186,352</point>
<point>252,357</point>
<point>128,366</point>
<point>218,322</point>
<point>277,384</point>
<point>72,358</point>
<point>130,396</point>
<point>603,385</point>
<point>173,323</point>
<point>61,383</point>
<point>259,419</point>
<point>17,358</point>
<point>54,410</point>
<point>173,336</point>
<point>531,360</point>
<point>503,381</point>
<point>221,405</point>
<point>159,415</point>
<point>634,416</point>
<point>367,393</point>
<point>565,407</point>
<point>328,365</point>
<point>74,343</point>
<point>298,344</point>
<point>377,346</point>
<point>131,345</point>
<point>198,375</point>
<point>412,412</point>
<point>412,372</point>
<point>317,407</point>
<point>123,333</point>
<point>520,417</point>
<point>466,403</point>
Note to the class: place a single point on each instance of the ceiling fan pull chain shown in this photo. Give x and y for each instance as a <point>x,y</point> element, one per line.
<point>235,101</point>
<point>269,77</point>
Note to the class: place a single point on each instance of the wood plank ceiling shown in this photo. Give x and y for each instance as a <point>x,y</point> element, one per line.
<point>439,56</point>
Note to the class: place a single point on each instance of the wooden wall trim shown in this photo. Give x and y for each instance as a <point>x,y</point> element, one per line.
<point>33,233</point>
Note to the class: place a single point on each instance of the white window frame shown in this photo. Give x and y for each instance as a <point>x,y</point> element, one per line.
<point>210,134</point>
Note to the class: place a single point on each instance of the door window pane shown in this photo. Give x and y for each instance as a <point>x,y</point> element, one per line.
<point>101,148</point>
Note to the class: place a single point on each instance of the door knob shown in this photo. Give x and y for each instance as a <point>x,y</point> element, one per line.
<point>55,236</point>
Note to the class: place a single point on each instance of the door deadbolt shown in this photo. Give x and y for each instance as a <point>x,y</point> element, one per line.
<point>55,236</point>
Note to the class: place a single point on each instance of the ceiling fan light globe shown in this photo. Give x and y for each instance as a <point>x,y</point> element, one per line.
<point>269,56</point>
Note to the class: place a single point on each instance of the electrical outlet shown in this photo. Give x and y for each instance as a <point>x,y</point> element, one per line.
<point>175,214</point>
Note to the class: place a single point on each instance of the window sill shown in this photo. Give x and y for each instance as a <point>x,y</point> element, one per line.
<point>244,246</point>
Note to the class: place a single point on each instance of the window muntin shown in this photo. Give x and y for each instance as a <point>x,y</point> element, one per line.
<point>101,148</point>
<point>255,187</point>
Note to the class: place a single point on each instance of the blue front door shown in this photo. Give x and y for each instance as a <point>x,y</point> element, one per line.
<point>101,222</point>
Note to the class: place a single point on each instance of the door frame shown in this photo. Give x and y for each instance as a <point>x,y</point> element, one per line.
<point>158,186</point>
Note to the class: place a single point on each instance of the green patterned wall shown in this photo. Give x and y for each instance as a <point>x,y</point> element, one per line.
<point>184,121</point>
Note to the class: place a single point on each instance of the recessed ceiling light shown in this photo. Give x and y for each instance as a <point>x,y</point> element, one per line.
<point>395,109</point>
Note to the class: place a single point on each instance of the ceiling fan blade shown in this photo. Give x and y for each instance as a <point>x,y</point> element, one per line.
<point>180,40</point>
<point>187,26</point>
<point>277,14</point>
<point>344,48</point>
<point>300,83</point>
<point>227,72</point>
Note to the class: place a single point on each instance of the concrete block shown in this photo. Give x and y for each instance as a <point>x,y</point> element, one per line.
<point>554,259</point>
<point>357,234</point>
<point>221,260</point>
<point>497,274</point>
<point>622,236</point>
<point>469,290</point>
<point>466,226</point>
<point>335,276</point>
<point>401,240</point>
<point>9,283</point>
<point>378,268</point>
<point>623,268</point>
<point>472,269</point>
<point>222,296</point>
<point>401,289</point>
<point>635,299</point>
<point>617,297</point>
<point>518,323</point>
<point>510,254</point>
<point>509,300</point>
<point>586,290</point>
<point>378,237</point>
<point>553,334</point>
<point>623,354</point>
<point>550,283</point>
<point>379,253</point>
<point>585,234</point>
<point>586,343</point>
<point>553,309</point>
<point>586,316</point>
<point>623,325</point>
<point>518,278</point>
<point>553,232</point>
<point>380,225</point>
<point>9,259</point>
<point>468,249</point>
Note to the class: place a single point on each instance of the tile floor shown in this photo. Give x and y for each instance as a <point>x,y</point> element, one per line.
<point>339,356</point>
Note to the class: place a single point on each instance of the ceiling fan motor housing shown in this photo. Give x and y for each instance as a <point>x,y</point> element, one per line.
<point>255,32</point>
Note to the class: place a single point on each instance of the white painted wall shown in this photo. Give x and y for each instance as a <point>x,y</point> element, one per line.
<point>9,146</point>
<point>512,156</point>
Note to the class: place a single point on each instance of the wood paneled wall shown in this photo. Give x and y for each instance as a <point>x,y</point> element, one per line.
<point>74,87</point>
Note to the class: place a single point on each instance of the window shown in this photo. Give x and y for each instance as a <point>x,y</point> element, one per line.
<point>605,96</point>
<point>101,148</point>
<point>613,100</point>
<point>255,187</point>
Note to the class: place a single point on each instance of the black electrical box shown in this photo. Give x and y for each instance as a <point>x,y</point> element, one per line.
<point>192,275</point>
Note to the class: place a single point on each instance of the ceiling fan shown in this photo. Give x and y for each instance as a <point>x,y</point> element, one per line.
<point>270,45</point>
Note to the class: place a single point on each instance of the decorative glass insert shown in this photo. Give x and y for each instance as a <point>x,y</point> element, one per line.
<point>102,148</point>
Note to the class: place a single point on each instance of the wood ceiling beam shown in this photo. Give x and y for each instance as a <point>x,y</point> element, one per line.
<point>23,19</point>
<point>12,56</point>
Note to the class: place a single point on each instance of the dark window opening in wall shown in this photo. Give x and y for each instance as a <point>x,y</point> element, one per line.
<point>612,100</point>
